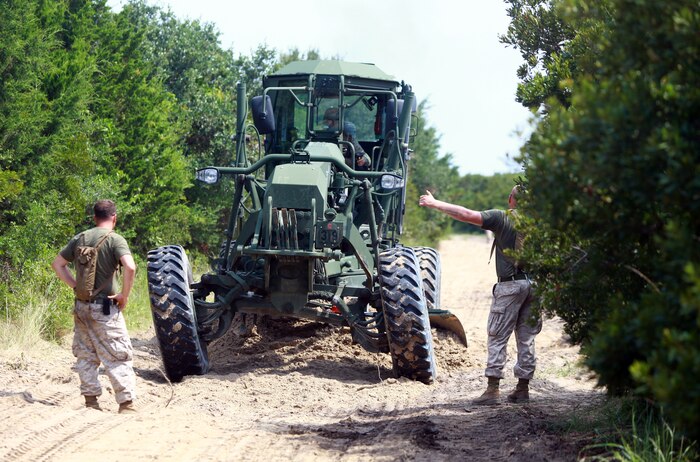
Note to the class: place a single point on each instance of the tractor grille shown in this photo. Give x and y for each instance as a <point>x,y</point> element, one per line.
<point>284,233</point>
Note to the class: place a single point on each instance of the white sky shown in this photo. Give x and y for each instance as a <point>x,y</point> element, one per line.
<point>448,50</point>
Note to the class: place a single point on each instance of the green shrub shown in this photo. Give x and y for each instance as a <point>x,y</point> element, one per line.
<point>613,212</point>
<point>37,305</point>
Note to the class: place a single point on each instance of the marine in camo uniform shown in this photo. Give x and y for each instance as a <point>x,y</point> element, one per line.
<point>512,296</point>
<point>100,334</point>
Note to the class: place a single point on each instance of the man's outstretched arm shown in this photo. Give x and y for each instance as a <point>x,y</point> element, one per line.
<point>455,211</point>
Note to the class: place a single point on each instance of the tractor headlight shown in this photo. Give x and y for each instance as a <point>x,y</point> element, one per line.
<point>392,182</point>
<point>208,175</point>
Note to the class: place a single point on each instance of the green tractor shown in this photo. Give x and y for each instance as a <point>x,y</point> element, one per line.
<point>312,234</point>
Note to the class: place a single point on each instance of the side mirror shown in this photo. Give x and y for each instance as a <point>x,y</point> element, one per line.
<point>395,110</point>
<point>263,117</point>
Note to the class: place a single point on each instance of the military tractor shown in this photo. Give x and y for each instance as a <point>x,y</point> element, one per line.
<point>311,234</point>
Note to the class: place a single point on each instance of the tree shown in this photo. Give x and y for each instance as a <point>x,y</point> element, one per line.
<point>293,54</point>
<point>428,170</point>
<point>202,76</point>
<point>139,159</point>
<point>45,92</point>
<point>253,68</point>
<point>612,205</point>
<point>555,50</point>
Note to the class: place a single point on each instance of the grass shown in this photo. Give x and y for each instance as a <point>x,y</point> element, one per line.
<point>37,307</point>
<point>650,440</point>
<point>594,424</point>
<point>138,311</point>
<point>26,329</point>
<point>624,430</point>
<point>566,369</point>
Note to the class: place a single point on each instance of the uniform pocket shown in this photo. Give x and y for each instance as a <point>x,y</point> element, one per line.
<point>122,349</point>
<point>113,338</point>
<point>507,289</point>
<point>507,298</point>
<point>495,323</point>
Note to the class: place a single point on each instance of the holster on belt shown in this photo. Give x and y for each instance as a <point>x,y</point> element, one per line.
<point>106,306</point>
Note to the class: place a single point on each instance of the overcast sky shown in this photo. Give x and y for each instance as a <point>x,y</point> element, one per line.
<point>447,50</point>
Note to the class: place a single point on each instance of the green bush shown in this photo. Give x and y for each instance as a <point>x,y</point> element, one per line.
<point>613,212</point>
<point>35,301</point>
<point>37,305</point>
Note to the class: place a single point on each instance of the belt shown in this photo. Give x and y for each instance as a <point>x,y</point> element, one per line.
<point>100,300</point>
<point>516,277</point>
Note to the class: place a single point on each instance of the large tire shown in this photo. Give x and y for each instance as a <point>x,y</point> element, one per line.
<point>174,317</point>
<point>429,262</point>
<point>406,315</point>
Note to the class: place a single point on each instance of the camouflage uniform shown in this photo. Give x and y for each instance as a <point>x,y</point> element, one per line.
<point>510,309</point>
<point>100,338</point>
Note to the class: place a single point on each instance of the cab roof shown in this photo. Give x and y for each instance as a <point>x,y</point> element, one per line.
<point>333,67</point>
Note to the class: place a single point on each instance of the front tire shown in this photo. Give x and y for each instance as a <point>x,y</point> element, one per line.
<point>429,263</point>
<point>174,317</point>
<point>406,315</point>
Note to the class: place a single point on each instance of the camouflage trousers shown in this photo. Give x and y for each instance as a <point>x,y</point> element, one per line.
<point>100,338</point>
<point>510,312</point>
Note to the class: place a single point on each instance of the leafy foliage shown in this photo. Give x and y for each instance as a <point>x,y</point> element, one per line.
<point>201,78</point>
<point>541,36</point>
<point>612,204</point>
<point>427,171</point>
<point>555,47</point>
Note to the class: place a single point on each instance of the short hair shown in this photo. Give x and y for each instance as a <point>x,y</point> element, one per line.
<point>104,209</point>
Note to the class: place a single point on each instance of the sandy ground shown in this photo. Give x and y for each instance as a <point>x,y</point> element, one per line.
<point>302,391</point>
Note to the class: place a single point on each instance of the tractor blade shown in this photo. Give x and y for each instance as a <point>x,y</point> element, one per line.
<point>445,320</point>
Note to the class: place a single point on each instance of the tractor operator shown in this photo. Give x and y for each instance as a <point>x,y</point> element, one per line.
<point>330,121</point>
<point>362,160</point>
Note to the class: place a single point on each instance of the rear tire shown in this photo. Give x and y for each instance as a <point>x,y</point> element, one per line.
<point>429,262</point>
<point>174,317</point>
<point>406,315</point>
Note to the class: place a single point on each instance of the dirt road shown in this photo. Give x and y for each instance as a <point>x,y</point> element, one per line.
<point>304,394</point>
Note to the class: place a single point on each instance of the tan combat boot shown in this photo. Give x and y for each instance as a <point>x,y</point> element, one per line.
<point>521,393</point>
<point>492,393</point>
<point>91,402</point>
<point>127,407</point>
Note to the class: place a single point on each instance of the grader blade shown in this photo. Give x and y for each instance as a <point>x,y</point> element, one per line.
<point>443,319</point>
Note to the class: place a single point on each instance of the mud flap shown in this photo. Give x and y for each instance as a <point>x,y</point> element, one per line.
<point>443,319</point>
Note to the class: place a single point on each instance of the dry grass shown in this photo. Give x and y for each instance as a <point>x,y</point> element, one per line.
<point>23,334</point>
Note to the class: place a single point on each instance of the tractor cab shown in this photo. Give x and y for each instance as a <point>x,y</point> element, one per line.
<point>313,101</point>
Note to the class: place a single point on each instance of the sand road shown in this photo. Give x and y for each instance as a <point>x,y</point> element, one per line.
<point>304,392</point>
